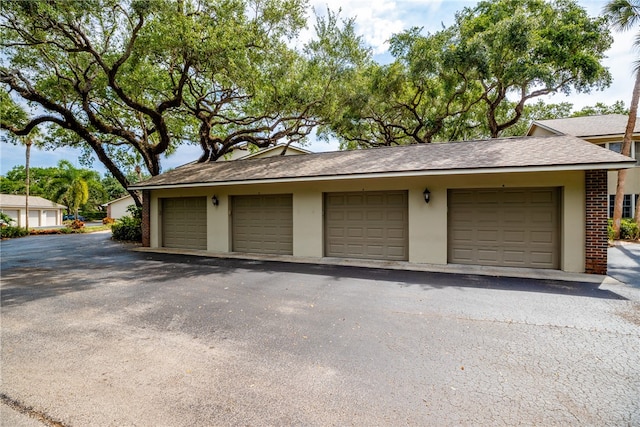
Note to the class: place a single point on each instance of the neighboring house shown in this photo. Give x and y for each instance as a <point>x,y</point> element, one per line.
<point>42,212</point>
<point>606,131</point>
<point>116,209</point>
<point>243,152</point>
<point>514,202</point>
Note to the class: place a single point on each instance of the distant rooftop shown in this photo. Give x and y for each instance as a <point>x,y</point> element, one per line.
<point>18,200</point>
<point>588,126</point>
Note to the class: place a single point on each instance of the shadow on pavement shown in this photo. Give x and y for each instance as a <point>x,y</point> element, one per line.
<point>43,268</point>
<point>403,278</point>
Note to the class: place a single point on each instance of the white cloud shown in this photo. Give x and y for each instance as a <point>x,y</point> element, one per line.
<point>378,20</point>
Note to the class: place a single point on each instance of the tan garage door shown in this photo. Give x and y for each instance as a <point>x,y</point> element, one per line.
<point>369,225</point>
<point>263,224</point>
<point>184,223</point>
<point>504,227</point>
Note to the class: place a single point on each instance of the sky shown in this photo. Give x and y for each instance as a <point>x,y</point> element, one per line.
<point>376,21</point>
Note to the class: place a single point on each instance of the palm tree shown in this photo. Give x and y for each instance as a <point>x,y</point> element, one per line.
<point>28,140</point>
<point>625,15</point>
<point>28,143</point>
<point>71,186</point>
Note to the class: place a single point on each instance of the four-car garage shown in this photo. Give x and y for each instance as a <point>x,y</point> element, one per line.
<point>515,227</point>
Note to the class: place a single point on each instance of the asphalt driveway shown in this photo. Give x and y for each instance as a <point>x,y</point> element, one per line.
<point>96,334</point>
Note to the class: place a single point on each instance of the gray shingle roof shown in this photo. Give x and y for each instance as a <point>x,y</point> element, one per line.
<point>604,125</point>
<point>521,153</point>
<point>18,200</point>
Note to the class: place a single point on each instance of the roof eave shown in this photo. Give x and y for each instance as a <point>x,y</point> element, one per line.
<point>545,127</point>
<point>403,174</point>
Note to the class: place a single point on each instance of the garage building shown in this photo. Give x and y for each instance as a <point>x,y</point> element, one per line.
<point>528,202</point>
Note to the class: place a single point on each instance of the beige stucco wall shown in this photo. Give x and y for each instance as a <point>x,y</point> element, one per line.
<point>427,222</point>
<point>631,184</point>
<point>118,208</point>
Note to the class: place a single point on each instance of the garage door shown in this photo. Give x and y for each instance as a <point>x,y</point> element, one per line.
<point>504,227</point>
<point>369,225</point>
<point>51,217</point>
<point>184,223</point>
<point>263,224</point>
<point>34,218</point>
<point>13,214</point>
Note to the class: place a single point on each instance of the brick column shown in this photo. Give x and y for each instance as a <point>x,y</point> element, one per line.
<point>146,218</point>
<point>596,243</point>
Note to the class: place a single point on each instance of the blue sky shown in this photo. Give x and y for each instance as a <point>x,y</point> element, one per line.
<point>376,21</point>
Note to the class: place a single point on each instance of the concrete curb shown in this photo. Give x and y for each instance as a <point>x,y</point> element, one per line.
<point>524,273</point>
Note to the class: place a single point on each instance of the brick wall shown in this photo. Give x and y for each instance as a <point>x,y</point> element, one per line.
<point>146,218</point>
<point>596,210</point>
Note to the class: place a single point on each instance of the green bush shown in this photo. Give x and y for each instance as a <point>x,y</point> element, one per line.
<point>610,233</point>
<point>10,232</point>
<point>93,216</point>
<point>629,230</point>
<point>128,229</point>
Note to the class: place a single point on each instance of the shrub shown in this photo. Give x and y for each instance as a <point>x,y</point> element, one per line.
<point>5,219</point>
<point>93,216</point>
<point>108,220</point>
<point>76,224</point>
<point>610,233</point>
<point>629,230</point>
<point>10,232</point>
<point>127,228</point>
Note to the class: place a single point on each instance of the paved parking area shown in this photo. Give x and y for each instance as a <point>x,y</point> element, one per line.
<point>96,334</point>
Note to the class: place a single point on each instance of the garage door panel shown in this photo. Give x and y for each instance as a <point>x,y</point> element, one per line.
<point>512,257</point>
<point>396,215</point>
<point>374,199</point>
<point>519,229</point>
<point>397,233</point>
<point>543,197</point>
<point>374,225</point>
<point>512,197</point>
<point>354,200</point>
<point>541,216</point>
<point>486,197</point>
<point>375,216</point>
<point>355,216</point>
<point>487,236</point>
<point>514,236</point>
<point>263,224</point>
<point>542,237</point>
<point>488,255</point>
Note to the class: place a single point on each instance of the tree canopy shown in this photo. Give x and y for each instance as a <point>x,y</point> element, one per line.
<point>474,78</point>
<point>131,80</point>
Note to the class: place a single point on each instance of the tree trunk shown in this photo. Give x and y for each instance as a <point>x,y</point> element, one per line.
<point>626,150</point>
<point>27,181</point>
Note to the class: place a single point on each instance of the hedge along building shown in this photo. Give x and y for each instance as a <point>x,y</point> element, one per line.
<point>535,202</point>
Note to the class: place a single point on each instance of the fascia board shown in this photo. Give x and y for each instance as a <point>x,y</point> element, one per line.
<point>405,174</point>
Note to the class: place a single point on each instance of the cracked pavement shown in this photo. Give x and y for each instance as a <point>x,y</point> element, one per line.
<point>96,334</point>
